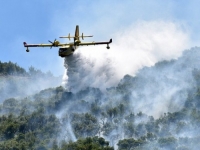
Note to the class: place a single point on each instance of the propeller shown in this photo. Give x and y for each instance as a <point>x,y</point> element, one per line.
<point>53,43</point>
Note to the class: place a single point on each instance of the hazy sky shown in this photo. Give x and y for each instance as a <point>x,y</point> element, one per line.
<point>39,21</point>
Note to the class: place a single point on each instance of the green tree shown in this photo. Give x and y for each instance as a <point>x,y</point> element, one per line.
<point>131,143</point>
<point>89,143</point>
<point>84,125</point>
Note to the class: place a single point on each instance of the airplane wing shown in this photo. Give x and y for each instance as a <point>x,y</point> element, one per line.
<point>94,43</point>
<point>44,45</point>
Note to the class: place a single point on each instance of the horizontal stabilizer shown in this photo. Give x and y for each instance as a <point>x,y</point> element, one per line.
<point>82,36</point>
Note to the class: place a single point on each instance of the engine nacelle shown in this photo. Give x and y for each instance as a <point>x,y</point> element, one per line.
<point>27,50</point>
<point>77,42</point>
<point>108,47</point>
<point>56,43</point>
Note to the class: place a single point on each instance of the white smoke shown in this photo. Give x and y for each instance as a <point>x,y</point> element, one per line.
<point>67,132</point>
<point>142,44</point>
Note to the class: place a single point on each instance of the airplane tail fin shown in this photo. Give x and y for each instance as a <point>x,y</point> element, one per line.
<point>76,33</point>
<point>77,36</point>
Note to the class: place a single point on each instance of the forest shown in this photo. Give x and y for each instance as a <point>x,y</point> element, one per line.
<point>158,109</point>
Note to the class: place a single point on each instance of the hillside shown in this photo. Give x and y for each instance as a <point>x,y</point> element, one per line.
<point>159,108</point>
<point>15,81</point>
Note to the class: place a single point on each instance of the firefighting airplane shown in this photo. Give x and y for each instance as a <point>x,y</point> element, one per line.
<point>67,49</point>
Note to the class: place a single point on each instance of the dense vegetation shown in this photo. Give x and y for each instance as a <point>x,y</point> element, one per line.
<point>33,124</point>
<point>9,68</point>
<point>56,119</point>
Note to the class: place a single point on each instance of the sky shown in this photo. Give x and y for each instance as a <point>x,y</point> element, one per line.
<point>38,21</point>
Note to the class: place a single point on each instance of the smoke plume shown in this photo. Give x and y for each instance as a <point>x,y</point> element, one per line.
<point>142,44</point>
